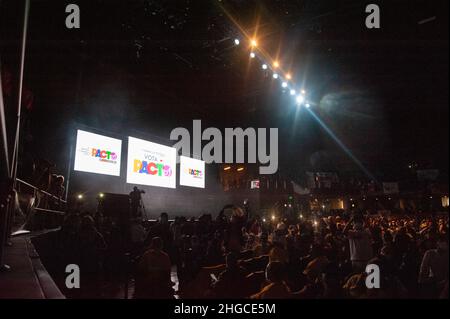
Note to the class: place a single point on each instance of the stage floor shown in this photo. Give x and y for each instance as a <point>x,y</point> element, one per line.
<point>28,278</point>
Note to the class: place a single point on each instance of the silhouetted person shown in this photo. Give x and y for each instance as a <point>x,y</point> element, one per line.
<point>153,273</point>
<point>230,281</point>
<point>277,288</point>
<point>162,230</point>
<point>136,202</point>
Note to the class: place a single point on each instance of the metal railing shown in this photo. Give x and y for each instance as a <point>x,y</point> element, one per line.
<point>38,190</point>
<point>48,203</point>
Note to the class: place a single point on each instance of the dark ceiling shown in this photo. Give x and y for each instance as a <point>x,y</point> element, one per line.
<point>149,66</point>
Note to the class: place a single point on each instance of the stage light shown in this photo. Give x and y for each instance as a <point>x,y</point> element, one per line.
<point>252,55</point>
<point>264,66</point>
<point>276,64</point>
<point>240,169</point>
<point>308,105</point>
<point>300,99</point>
<point>316,223</point>
<point>288,76</point>
<point>80,196</point>
<point>275,76</point>
<point>292,92</point>
<point>303,92</point>
<point>285,205</point>
<point>253,42</point>
<point>290,205</point>
<point>227,168</point>
<point>301,216</point>
<point>284,84</point>
<point>101,195</point>
<point>236,41</point>
<point>273,217</point>
<point>264,220</point>
<point>323,206</point>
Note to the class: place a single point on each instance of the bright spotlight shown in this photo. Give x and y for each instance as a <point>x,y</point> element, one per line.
<point>101,195</point>
<point>276,64</point>
<point>253,43</point>
<point>80,196</point>
<point>252,54</point>
<point>308,105</point>
<point>316,223</point>
<point>301,216</point>
<point>288,76</point>
<point>264,220</point>
<point>284,84</point>
<point>273,217</point>
<point>300,99</point>
<point>264,66</point>
<point>303,92</point>
<point>275,76</point>
<point>236,41</point>
<point>292,92</point>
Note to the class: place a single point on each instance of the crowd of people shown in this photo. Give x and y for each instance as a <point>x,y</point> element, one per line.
<point>236,256</point>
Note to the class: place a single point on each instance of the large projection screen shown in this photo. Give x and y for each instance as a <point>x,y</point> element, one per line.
<point>151,164</point>
<point>98,154</point>
<point>192,172</point>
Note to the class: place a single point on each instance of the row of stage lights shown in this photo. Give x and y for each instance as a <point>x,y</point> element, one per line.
<point>285,78</point>
<point>81,196</point>
<point>274,219</point>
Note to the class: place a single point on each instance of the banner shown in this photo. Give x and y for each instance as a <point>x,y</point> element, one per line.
<point>321,179</point>
<point>151,163</point>
<point>254,184</point>
<point>97,154</point>
<point>390,188</point>
<point>427,174</point>
<point>192,172</point>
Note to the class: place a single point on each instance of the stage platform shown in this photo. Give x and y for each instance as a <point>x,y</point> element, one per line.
<point>28,278</point>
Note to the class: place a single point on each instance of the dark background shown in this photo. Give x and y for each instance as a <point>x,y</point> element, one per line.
<point>144,67</point>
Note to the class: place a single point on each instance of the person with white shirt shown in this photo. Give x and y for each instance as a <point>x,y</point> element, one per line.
<point>360,243</point>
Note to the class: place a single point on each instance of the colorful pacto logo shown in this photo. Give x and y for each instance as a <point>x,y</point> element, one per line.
<point>152,168</point>
<point>196,173</point>
<point>104,155</point>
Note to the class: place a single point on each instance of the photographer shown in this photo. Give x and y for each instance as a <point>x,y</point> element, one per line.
<point>135,201</point>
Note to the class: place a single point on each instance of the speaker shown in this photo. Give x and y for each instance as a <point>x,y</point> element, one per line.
<point>115,206</point>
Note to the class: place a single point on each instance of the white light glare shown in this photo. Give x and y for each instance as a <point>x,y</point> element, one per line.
<point>284,84</point>
<point>236,41</point>
<point>300,99</point>
<point>252,54</point>
<point>264,66</point>
<point>292,92</point>
<point>308,105</point>
<point>275,76</point>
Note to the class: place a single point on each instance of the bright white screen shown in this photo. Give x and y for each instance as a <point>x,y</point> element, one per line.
<point>97,154</point>
<point>151,164</point>
<point>192,172</point>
